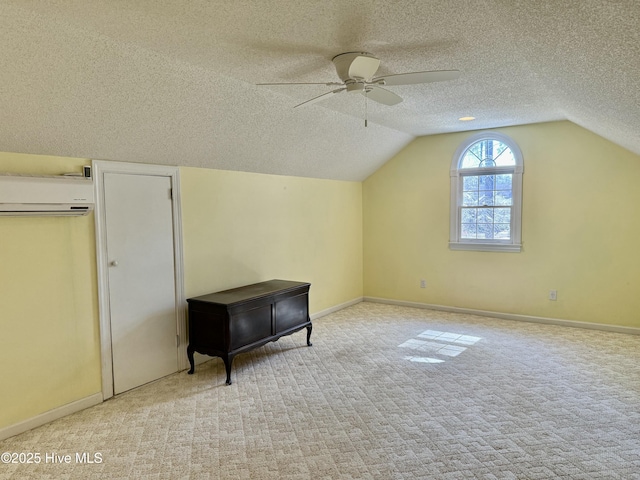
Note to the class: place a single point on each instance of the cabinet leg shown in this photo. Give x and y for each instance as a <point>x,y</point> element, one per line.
<point>191,362</point>
<point>309,335</point>
<point>227,365</point>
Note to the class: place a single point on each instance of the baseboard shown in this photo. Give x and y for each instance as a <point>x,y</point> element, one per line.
<point>335,308</point>
<point>510,316</point>
<point>96,398</point>
<point>50,416</point>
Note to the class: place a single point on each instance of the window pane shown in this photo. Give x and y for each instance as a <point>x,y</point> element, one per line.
<point>502,231</point>
<point>485,215</point>
<point>484,149</point>
<point>468,230</point>
<point>485,230</point>
<point>469,183</point>
<point>485,197</point>
<point>486,182</point>
<point>469,161</point>
<point>502,215</point>
<point>506,158</point>
<point>503,197</point>
<point>498,148</point>
<point>469,199</point>
<point>468,215</point>
<point>503,181</point>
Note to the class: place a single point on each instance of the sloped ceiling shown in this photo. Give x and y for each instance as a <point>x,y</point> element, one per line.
<point>173,81</point>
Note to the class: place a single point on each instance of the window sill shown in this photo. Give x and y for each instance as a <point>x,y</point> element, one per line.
<point>486,247</point>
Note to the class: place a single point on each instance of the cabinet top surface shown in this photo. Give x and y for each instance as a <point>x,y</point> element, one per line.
<point>249,292</point>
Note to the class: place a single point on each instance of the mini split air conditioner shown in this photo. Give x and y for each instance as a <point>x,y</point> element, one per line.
<point>45,195</point>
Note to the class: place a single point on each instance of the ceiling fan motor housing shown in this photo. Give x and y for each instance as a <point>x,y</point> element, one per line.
<point>356,66</point>
<point>355,87</point>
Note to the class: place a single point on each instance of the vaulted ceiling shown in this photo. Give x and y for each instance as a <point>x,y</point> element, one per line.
<point>174,82</point>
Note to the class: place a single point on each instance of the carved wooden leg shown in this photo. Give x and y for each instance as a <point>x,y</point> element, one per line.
<point>227,365</point>
<point>191,362</point>
<point>309,335</point>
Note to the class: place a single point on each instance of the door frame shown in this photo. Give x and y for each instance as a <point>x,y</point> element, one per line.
<point>99,169</point>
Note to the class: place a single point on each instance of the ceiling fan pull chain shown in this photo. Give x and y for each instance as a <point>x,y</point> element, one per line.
<point>366,107</point>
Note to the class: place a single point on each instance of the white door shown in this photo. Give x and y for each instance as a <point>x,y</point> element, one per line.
<point>141,278</point>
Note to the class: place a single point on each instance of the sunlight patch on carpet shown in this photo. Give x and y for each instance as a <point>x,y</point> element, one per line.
<point>423,359</point>
<point>426,342</point>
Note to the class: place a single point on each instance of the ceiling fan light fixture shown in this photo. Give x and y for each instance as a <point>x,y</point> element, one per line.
<point>355,87</point>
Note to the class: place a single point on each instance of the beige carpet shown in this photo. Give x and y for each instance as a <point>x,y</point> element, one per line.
<point>385,392</point>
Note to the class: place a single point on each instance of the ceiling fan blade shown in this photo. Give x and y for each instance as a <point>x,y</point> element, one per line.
<point>320,97</point>
<point>417,77</point>
<point>381,95</point>
<point>328,84</point>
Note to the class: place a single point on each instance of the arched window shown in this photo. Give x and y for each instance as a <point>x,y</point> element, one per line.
<point>486,194</point>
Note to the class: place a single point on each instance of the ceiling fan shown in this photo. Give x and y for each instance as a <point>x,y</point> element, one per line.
<point>357,70</point>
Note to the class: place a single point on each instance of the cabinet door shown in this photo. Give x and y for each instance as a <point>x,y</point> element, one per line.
<point>291,312</point>
<point>250,326</point>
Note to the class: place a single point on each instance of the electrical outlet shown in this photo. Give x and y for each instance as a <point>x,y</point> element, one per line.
<point>423,283</point>
<point>553,295</point>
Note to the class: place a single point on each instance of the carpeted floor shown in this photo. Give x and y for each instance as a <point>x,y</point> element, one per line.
<point>386,392</point>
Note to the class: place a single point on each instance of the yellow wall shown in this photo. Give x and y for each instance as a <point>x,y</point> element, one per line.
<point>580,230</point>
<point>242,228</point>
<point>49,328</point>
<point>579,236</point>
<point>238,228</point>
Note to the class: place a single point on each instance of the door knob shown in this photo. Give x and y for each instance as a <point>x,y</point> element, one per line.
<point>114,263</point>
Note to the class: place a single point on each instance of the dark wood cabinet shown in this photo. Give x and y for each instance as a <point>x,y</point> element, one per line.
<point>224,324</point>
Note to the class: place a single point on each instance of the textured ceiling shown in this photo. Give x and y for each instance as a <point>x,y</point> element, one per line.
<point>173,81</point>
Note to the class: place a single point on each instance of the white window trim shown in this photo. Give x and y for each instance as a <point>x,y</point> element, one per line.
<point>515,243</point>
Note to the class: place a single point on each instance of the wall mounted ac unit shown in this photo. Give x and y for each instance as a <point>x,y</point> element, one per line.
<point>45,195</point>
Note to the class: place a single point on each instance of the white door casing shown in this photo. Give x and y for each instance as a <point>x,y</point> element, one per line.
<point>140,281</point>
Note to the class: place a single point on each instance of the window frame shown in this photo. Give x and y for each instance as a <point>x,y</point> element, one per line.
<point>457,174</point>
